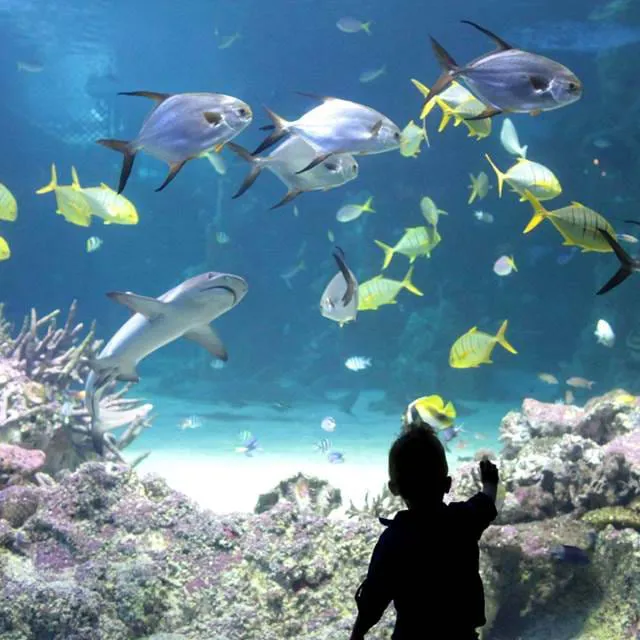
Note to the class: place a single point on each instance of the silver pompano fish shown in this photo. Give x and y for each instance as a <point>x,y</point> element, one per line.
<point>509,80</point>
<point>288,158</point>
<point>181,127</point>
<point>338,126</point>
<point>339,301</point>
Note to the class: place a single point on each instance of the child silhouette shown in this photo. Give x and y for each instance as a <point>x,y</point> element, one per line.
<point>427,559</point>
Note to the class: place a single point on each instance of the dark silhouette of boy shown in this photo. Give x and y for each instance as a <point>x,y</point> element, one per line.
<point>427,560</point>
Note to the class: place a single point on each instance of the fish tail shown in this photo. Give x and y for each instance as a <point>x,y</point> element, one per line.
<point>523,151</point>
<point>539,212</point>
<point>75,180</point>
<point>499,174</point>
<point>627,264</point>
<point>366,207</point>
<point>388,253</point>
<point>501,338</point>
<point>366,27</point>
<point>424,90</point>
<point>254,172</point>
<point>280,129</point>
<point>513,263</point>
<point>53,185</point>
<point>449,67</point>
<point>409,286</point>
<point>123,147</point>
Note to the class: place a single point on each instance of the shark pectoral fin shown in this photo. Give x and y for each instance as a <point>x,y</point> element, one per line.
<point>150,308</point>
<point>209,339</point>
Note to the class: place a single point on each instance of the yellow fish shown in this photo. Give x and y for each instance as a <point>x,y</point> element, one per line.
<point>479,187</point>
<point>70,202</point>
<point>578,225</point>
<point>433,411</point>
<point>430,212</point>
<point>8,205</point>
<point>379,291</point>
<point>5,252</point>
<point>411,139</point>
<point>474,348</point>
<point>416,241</point>
<point>106,203</point>
<point>526,175</point>
<point>457,102</point>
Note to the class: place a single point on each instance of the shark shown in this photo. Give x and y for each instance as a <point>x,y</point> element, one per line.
<point>182,312</point>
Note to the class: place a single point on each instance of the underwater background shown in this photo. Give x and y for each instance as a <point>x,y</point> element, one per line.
<point>62,66</point>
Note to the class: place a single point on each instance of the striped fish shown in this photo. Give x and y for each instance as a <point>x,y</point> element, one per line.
<point>474,348</point>
<point>416,241</point>
<point>71,203</point>
<point>93,244</point>
<point>8,205</point>
<point>578,225</point>
<point>526,175</point>
<point>378,291</point>
<point>323,445</point>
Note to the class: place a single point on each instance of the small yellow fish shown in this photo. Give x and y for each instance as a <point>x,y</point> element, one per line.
<point>411,139</point>
<point>93,244</point>
<point>416,241</point>
<point>580,383</point>
<point>5,251</point>
<point>430,212</point>
<point>71,202</point>
<point>433,411</point>
<point>548,378</point>
<point>474,348</point>
<point>8,205</point>
<point>379,291</point>
<point>350,212</point>
<point>479,186</point>
<point>105,203</point>
<point>578,225</point>
<point>625,237</point>
<point>526,175</point>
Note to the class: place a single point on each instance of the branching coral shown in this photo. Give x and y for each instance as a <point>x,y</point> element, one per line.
<point>38,407</point>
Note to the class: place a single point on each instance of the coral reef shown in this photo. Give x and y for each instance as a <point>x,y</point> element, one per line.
<point>39,408</point>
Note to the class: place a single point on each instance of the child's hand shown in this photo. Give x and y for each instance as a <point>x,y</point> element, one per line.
<point>489,472</point>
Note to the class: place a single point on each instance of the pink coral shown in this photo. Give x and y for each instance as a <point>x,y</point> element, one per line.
<point>16,461</point>
<point>628,446</point>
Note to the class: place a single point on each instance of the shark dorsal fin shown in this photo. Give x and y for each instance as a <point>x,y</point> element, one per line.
<point>150,308</point>
<point>206,337</point>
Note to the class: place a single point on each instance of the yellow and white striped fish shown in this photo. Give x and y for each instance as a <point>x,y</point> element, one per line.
<point>474,347</point>
<point>379,291</point>
<point>93,244</point>
<point>71,203</point>
<point>8,205</point>
<point>5,252</point>
<point>578,225</point>
<point>106,203</point>
<point>416,241</point>
<point>526,175</point>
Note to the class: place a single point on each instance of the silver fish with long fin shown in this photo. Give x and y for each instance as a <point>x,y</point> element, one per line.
<point>181,127</point>
<point>290,156</point>
<point>339,301</point>
<point>337,126</point>
<point>509,80</point>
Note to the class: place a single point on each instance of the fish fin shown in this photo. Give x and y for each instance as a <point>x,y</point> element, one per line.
<point>501,338</point>
<point>338,256</point>
<point>474,189</point>
<point>632,222</point>
<point>388,253</point>
<point>408,285</point>
<point>450,69</point>
<point>489,112</point>
<point>124,148</point>
<point>316,161</point>
<point>212,117</point>
<point>446,116</point>
<point>498,173</point>
<point>173,172</point>
<point>429,104</point>
<point>150,308</point>
<point>315,96</point>
<point>627,264</point>
<point>290,195</point>
<point>75,180</point>
<point>539,212</point>
<point>502,45</point>
<point>523,151</point>
<point>152,95</point>
<point>253,173</point>
<point>366,207</point>
<point>280,130</point>
<point>206,337</point>
<point>513,263</point>
<point>53,184</point>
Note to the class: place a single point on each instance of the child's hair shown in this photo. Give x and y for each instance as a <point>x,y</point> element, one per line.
<point>418,464</point>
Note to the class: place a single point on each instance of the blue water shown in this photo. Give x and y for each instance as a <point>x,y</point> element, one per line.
<point>281,349</point>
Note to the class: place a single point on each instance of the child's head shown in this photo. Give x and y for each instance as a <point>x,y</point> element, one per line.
<point>418,470</point>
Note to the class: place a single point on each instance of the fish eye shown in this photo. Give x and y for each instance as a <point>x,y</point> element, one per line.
<point>396,136</point>
<point>242,112</point>
<point>573,87</point>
